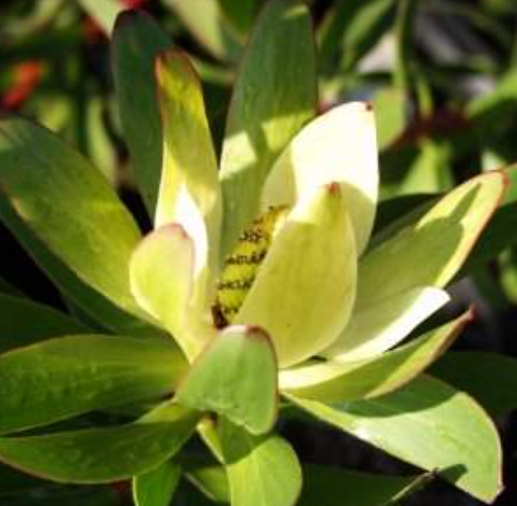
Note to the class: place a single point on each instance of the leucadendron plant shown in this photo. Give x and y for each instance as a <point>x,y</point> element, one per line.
<point>258,288</point>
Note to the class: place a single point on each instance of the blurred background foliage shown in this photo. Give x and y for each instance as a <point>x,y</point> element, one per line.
<point>442,75</point>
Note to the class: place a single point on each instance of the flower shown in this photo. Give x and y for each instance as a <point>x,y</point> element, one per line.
<point>309,284</point>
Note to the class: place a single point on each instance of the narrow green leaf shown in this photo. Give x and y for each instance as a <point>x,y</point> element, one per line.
<point>137,41</point>
<point>430,425</point>
<point>189,157</point>
<point>390,115</point>
<point>344,487</point>
<point>275,95</point>
<point>431,172</point>
<point>350,30</point>
<point>24,322</point>
<point>430,251</point>
<point>277,476</point>
<point>69,206</point>
<point>157,487</point>
<point>67,376</point>
<point>102,455</point>
<point>346,381</point>
<point>490,378</point>
<point>207,24</point>
<point>236,377</point>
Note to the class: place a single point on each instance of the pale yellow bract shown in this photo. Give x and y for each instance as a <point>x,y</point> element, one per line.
<point>316,293</point>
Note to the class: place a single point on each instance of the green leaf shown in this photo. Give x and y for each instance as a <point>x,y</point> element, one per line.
<point>389,105</point>
<point>205,21</point>
<point>275,95</point>
<point>344,487</point>
<point>350,30</point>
<point>501,232</point>
<point>241,14</point>
<point>189,163</point>
<point>51,193</point>
<point>346,381</point>
<point>430,251</point>
<point>236,377</point>
<point>381,326</point>
<point>429,424</point>
<point>162,277</point>
<point>304,291</point>
<point>270,460</point>
<point>137,41</point>
<point>102,455</point>
<point>490,378</point>
<point>157,487</point>
<point>24,322</point>
<point>68,496</point>
<point>431,172</point>
<point>492,114</point>
<point>8,289</point>
<point>211,479</point>
<point>104,13</point>
<point>67,376</point>
<point>342,145</point>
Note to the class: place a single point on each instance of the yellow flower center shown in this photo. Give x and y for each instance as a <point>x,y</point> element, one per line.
<point>242,266</point>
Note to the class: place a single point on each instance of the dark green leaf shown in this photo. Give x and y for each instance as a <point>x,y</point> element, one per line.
<point>67,376</point>
<point>344,487</point>
<point>490,378</point>
<point>137,41</point>
<point>24,322</point>
<point>102,455</point>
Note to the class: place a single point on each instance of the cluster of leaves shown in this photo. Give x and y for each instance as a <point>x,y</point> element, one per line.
<point>84,395</point>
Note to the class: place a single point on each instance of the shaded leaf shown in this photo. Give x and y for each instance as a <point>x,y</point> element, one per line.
<point>430,425</point>
<point>490,378</point>
<point>137,41</point>
<point>24,322</point>
<point>344,487</point>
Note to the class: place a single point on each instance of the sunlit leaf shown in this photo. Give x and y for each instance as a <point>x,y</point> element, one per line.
<point>274,96</point>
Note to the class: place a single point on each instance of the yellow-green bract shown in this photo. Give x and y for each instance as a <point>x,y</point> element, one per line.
<point>318,291</point>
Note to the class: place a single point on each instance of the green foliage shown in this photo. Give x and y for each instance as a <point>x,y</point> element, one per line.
<point>335,325</point>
